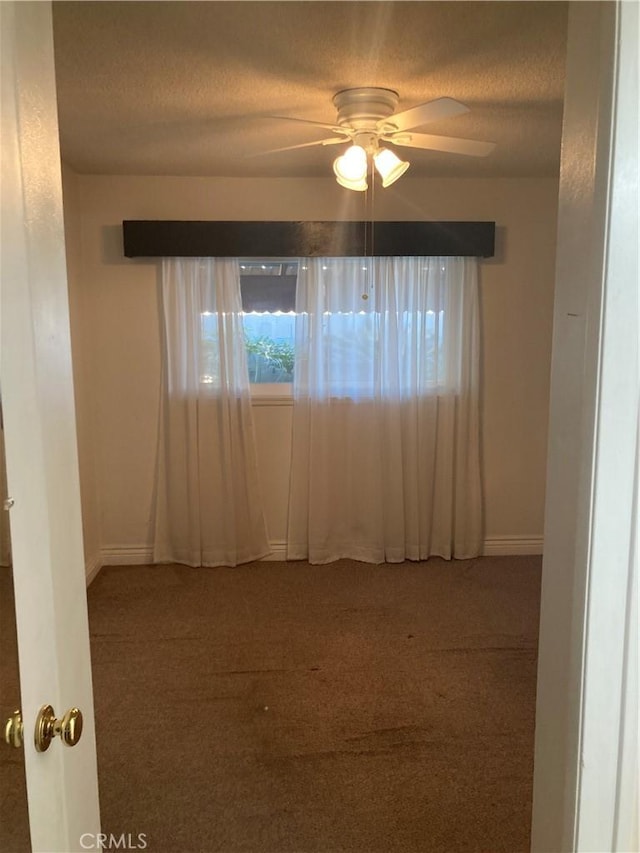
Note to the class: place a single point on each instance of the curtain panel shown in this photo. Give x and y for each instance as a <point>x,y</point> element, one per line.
<point>208,509</point>
<point>386,434</point>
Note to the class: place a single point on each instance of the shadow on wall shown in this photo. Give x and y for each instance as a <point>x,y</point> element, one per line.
<point>500,249</point>
<point>112,253</point>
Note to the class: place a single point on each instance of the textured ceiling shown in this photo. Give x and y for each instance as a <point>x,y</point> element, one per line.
<point>186,88</point>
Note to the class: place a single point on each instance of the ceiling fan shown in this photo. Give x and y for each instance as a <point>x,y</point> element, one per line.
<point>367,117</point>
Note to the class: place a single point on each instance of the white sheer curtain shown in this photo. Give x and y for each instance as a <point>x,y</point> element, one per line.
<point>385,461</point>
<point>208,509</point>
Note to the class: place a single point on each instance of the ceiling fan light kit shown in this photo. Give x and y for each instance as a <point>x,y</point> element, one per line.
<point>351,168</point>
<point>389,167</point>
<point>358,186</point>
<point>367,117</point>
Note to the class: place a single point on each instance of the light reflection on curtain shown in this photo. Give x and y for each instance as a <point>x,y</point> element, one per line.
<point>385,460</point>
<point>208,508</point>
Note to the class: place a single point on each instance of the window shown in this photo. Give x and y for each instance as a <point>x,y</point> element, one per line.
<point>268,300</point>
<point>361,323</point>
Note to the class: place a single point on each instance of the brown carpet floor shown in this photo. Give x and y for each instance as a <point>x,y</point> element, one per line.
<point>283,707</point>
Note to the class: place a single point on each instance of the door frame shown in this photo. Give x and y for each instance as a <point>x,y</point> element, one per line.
<point>588,505</point>
<point>587,704</point>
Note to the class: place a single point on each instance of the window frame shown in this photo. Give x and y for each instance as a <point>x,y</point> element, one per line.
<point>271,393</point>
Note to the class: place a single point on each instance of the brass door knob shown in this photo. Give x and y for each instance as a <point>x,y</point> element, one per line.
<point>13,730</point>
<point>68,727</point>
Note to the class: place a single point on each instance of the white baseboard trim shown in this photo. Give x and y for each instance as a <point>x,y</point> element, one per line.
<point>278,551</point>
<point>126,555</point>
<point>92,568</point>
<point>493,546</point>
<point>142,555</point>
<point>512,546</point>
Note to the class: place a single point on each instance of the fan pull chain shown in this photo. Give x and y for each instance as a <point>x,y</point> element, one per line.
<point>364,294</point>
<point>373,207</point>
<point>371,213</point>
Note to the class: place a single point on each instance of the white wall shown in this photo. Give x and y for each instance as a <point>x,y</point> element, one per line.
<point>116,319</point>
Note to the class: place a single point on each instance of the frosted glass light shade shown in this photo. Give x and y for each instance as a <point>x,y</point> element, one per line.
<point>389,167</point>
<point>351,168</point>
<point>359,186</point>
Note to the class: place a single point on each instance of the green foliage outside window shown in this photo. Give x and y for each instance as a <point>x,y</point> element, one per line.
<point>269,360</point>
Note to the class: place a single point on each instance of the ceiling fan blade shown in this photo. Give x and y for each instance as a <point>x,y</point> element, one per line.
<point>332,127</point>
<point>424,113</point>
<point>449,144</point>
<point>333,140</point>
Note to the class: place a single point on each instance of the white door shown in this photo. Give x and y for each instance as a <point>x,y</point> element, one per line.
<point>39,418</point>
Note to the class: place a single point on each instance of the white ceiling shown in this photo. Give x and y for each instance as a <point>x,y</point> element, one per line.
<point>186,88</point>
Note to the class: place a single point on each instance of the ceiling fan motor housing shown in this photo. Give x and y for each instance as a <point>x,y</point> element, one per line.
<point>362,109</point>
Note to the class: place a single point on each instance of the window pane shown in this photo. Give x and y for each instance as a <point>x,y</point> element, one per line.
<point>353,331</point>
<point>209,349</point>
<point>268,301</point>
<point>268,286</point>
<point>269,343</point>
